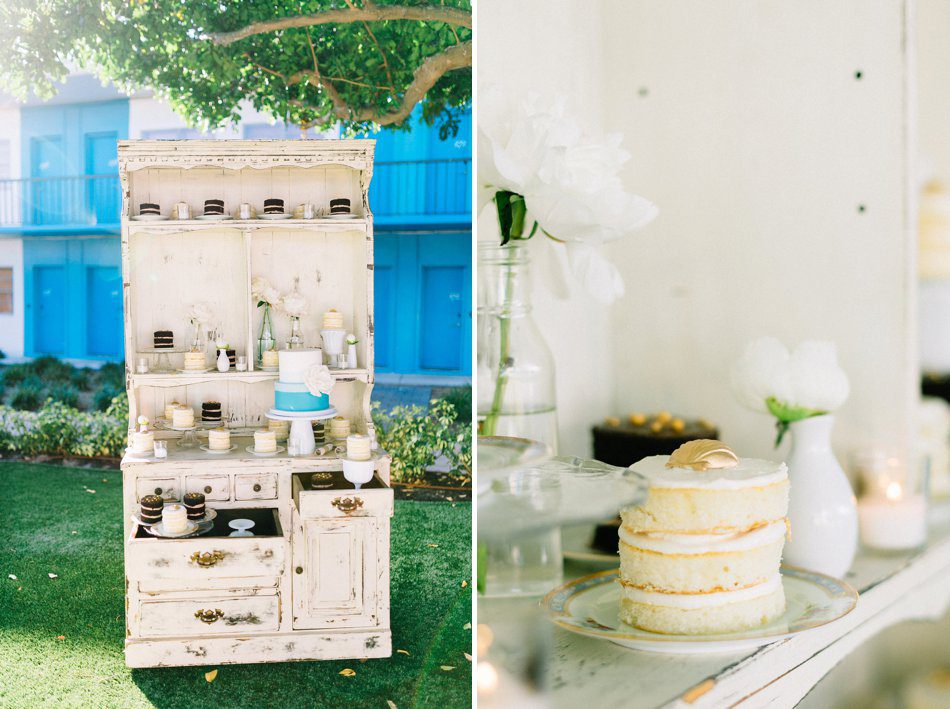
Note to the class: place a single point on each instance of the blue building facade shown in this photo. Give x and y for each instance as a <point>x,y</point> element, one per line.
<point>66,210</point>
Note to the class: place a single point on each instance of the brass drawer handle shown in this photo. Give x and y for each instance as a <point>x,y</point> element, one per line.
<point>257,487</point>
<point>207,558</point>
<point>158,491</point>
<point>207,489</point>
<point>347,505</point>
<point>209,616</point>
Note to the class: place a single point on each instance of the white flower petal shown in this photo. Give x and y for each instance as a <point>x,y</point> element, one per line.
<point>319,380</point>
<point>598,275</point>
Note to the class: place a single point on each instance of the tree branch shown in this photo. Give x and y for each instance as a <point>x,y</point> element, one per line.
<point>368,13</point>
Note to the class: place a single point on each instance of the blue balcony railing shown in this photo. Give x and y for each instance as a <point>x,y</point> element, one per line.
<point>422,191</point>
<point>74,201</point>
<point>402,192</point>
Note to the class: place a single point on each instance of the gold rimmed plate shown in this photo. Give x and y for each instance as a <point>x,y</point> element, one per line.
<point>590,606</point>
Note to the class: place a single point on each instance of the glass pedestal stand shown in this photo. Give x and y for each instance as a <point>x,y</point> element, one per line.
<point>163,365</point>
<point>188,439</point>
<point>301,439</point>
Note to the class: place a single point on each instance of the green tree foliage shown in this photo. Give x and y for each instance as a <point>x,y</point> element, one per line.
<point>362,63</point>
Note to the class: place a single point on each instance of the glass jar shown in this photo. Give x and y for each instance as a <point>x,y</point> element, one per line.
<point>265,341</point>
<point>516,391</point>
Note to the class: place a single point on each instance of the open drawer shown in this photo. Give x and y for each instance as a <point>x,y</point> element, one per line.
<point>331,496</point>
<point>215,555</point>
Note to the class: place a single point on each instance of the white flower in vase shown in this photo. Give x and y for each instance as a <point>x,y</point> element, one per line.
<point>199,313</point>
<point>791,386</point>
<point>295,305</point>
<point>318,380</point>
<point>543,169</point>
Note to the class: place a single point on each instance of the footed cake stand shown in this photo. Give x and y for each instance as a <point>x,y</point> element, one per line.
<point>301,427</point>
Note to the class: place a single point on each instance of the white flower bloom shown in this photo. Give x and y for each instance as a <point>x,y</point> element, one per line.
<point>318,379</point>
<point>259,284</point>
<point>569,177</point>
<point>200,313</point>
<point>807,378</point>
<point>295,305</point>
<point>271,296</point>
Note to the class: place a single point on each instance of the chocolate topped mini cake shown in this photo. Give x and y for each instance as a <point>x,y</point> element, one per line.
<point>214,207</point>
<point>151,512</point>
<point>623,443</point>
<point>164,339</point>
<point>340,205</point>
<point>211,411</point>
<point>273,206</point>
<point>194,505</point>
<point>149,208</point>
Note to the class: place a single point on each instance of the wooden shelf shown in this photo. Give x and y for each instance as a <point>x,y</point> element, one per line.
<point>173,226</point>
<point>177,379</point>
<point>893,588</point>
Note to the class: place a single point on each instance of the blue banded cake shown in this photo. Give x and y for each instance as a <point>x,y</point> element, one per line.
<point>300,374</point>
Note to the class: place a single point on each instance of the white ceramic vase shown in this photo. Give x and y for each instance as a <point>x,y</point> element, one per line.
<point>821,509</point>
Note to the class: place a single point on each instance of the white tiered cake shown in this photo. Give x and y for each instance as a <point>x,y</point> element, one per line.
<point>300,374</point>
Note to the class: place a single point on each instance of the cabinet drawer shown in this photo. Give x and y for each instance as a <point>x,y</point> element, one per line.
<point>213,487</point>
<point>257,486</point>
<point>196,559</point>
<point>166,487</point>
<point>323,504</point>
<point>209,616</point>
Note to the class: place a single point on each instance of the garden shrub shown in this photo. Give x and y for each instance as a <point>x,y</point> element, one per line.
<point>66,394</point>
<point>50,369</point>
<point>104,396</point>
<point>28,395</point>
<point>82,378</point>
<point>461,399</point>
<point>415,438</point>
<point>112,374</point>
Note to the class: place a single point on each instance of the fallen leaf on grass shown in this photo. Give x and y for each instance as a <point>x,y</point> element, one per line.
<point>464,584</point>
<point>363,660</point>
<point>391,704</point>
<point>404,652</point>
<point>210,676</point>
<point>60,637</point>
<point>12,577</point>
<point>92,491</point>
<point>447,668</point>
<point>347,672</point>
<point>74,532</point>
<point>52,575</point>
<point>432,546</point>
<point>467,656</point>
<point>467,626</point>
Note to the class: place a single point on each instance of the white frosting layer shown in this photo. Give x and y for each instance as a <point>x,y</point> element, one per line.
<point>295,363</point>
<point>750,472</point>
<point>691,601</point>
<point>705,543</point>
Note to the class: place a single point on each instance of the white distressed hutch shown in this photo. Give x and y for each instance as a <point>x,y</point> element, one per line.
<point>313,583</point>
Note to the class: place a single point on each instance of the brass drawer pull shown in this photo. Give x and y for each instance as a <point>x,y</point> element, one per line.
<point>209,616</point>
<point>208,558</point>
<point>347,505</point>
<point>158,491</point>
<point>257,487</point>
<point>207,489</point>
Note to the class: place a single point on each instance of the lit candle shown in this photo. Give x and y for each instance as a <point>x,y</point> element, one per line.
<point>894,521</point>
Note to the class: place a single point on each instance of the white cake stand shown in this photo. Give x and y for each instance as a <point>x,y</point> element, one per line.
<point>301,427</point>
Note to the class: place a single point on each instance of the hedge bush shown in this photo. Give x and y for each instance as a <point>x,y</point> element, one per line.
<point>57,429</point>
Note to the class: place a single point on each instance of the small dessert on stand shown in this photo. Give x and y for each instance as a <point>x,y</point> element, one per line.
<point>333,335</point>
<point>358,464</point>
<point>143,440</point>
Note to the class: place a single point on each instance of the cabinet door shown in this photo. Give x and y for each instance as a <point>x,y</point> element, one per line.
<point>336,584</point>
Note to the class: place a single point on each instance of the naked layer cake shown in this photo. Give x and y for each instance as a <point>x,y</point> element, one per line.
<point>702,553</point>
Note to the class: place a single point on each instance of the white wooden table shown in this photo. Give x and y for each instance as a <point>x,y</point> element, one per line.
<point>577,671</point>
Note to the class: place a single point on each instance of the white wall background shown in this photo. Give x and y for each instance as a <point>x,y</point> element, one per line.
<point>752,133</point>
<point>11,325</point>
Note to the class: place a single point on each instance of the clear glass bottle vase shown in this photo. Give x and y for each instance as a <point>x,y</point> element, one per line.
<point>265,340</point>
<point>516,389</point>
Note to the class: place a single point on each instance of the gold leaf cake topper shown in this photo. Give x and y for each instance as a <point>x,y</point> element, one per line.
<point>703,454</point>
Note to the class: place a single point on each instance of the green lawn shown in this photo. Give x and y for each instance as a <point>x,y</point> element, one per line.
<point>61,639</point>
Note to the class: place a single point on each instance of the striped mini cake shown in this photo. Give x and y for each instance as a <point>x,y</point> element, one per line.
<point>702,553</point>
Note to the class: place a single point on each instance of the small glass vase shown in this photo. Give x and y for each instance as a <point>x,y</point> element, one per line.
<point>198,338</point>
<point>265,341</point>
<point>516,390</point>
<point>295,341</point>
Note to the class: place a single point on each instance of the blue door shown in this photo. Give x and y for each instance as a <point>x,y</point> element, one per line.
<point>49,310</point>
<point>442,303</point>
<point>104,312</point>
<point>384,287</point>
<point>102,184</point>
<point>47,162</point>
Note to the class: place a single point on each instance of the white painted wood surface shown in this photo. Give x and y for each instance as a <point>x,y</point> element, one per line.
<point>892,588</point>
<point>245,589</point>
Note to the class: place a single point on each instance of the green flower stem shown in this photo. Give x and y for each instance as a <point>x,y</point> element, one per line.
<point>490,423</point>
<point>786,414</point>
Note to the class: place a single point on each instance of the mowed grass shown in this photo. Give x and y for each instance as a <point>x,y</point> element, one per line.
<point>61,639</point>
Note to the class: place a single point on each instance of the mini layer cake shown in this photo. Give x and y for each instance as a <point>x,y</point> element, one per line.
<point>194,505</point>
<point>183,417</point>
<point>290,391</point>
<point>142,442</point>
<point>211,411</point>
<point>265,442</point>
<point>219,439</point>
<point>702,553</point>
<point>195,361</point>
<point>163,339</point>
<point>358,447</point>
<point>339,428</point>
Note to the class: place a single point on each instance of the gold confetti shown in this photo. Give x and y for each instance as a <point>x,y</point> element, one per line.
<point>209,676</point>
<point>347,672</point>
<point>447,668</point>
<point>404,652</point>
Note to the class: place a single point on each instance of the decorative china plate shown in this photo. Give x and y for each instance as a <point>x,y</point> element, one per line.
<point>250,449</point>
<point>194,371</point>
<point>140,457</point>
<point>279,215</point>
<point>206,449</point>
<point>342,216</point>
<point>149,218</point>
<point>590,605</point>
<point>214,217</point>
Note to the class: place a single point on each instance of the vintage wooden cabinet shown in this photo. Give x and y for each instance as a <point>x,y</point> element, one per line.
<point>313,583</point>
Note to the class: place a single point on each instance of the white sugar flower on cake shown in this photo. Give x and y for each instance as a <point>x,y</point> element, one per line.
<point>790,385</point>
<point>318,380</point>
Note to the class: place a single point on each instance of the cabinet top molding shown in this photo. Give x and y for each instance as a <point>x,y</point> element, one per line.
<point>237,154</point>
